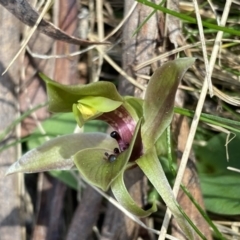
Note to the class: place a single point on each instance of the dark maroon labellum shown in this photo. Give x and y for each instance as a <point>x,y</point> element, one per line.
<point>125,147</point>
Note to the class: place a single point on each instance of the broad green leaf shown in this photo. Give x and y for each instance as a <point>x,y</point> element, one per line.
<point>57,154</point>
<point>95,126</point>
<point>123,197</point>
<point>220,186</point>
<point>221,193</point>
<point>66,177</point>
<point>57,125</point>
<point>150,165</point>
<point>159,98</point>
<point>98,168</point>
<point>62,97</point>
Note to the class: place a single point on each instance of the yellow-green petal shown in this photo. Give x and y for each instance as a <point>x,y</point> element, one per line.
<point>101,104</point>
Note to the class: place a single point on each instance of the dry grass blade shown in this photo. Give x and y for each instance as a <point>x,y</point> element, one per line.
<point>231,100</point>
<point>120,70</point>
<point>167,54</point>
<point>204,50</point>
<point>233,169</point>
<point>25,13</point>
<point>100,30</point>
<point>47,5</point>
<point>41,56</point>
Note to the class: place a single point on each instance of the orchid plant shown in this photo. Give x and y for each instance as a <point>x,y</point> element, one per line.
<point>102,159</point>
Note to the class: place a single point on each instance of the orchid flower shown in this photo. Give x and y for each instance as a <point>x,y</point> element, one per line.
<point>102,159</point>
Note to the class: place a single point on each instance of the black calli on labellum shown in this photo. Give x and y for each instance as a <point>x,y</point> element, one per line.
<point>111,157</point>
<point>116,150</point>
<point>115,135</point>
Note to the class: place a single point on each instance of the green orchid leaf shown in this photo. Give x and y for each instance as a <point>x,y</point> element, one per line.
<point>123,197</point>
<point>57,154</point>
<point>220,186</point>
<point>159,98</point>
<point>62,97</point>
<point>150,165</point>
<point>56,125</point>
<point>67,177</point>
<point>101,166</point>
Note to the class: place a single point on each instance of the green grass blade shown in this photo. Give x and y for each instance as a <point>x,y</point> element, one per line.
<point>204,215</point>
<point>190,19</point>
<point>147,18</point>
<point>20,119</point>
<point>192,224</point>
<point>31,137</point>
<point>207,118</point>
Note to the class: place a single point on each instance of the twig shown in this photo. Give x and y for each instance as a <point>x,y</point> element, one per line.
<point>100,29</point>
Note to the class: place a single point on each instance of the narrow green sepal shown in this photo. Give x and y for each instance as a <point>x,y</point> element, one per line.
<point>123,197</point>
<point>151,166</point>
<point>62,97</point>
